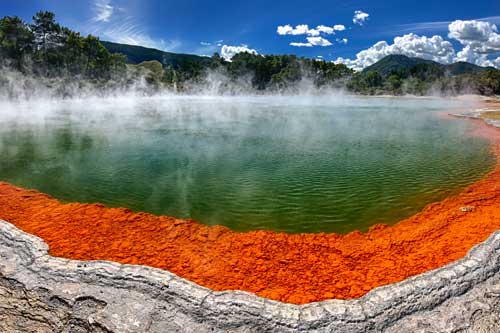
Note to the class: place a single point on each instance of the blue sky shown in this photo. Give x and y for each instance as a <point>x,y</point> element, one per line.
<point>204,27</point>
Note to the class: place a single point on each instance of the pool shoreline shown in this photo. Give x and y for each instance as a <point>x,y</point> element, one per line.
<point>95,296</point>
<point>292,268</point>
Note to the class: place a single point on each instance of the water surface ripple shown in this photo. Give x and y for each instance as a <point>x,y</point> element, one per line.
<point>288,164</point>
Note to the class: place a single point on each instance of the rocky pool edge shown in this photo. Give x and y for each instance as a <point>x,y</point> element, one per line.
<point>42,293</point>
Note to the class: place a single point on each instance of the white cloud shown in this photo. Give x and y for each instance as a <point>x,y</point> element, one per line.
<point>479,39</point>
<point>496,62</point>
<point>300,29</point>
<point>284,29</point>
<point>313,35</point>
<point>467,54</point>
<point>205,43</point>
<point>342,40</point>
<point>360,17</point>
<point>318,41</point>
<point>434,26</point>
<point>325,29</point>
<point>479,36</point>
<point>300,44</point>
<point>303,29</point>
<point>313,41</point>
<point>433,48</point>
<point>228,51</point>
<point>471,31</point>
<point>123,28</point>
<point>103,10</point>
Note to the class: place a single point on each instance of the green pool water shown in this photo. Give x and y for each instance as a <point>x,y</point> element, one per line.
<point>294,164</point>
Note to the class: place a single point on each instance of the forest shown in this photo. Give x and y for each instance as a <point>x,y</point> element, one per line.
<point>56,56</point>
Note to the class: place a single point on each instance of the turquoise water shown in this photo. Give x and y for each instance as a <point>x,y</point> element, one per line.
<point>289,164</point>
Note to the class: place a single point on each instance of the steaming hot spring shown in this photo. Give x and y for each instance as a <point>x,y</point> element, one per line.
<point>297,199</point>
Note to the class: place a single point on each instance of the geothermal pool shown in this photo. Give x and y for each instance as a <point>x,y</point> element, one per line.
<point>294,164</point>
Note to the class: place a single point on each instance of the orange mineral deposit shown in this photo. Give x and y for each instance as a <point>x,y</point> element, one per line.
<point>294,268</point>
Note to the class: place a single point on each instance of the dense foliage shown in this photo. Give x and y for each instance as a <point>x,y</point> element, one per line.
<point>44,49</point>
<point>399,74</point>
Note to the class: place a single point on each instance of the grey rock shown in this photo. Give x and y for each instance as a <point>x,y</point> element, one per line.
<point>40,293</point>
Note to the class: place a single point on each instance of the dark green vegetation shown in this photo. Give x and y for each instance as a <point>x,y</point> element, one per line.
<point>46,49</point>
<point>49,52</point>
<point>399,74</point>
<point>137,54</point>
<point>245,72</point>
<point>402,64</point>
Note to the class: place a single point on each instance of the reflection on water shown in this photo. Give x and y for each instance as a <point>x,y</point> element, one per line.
<point>258,163</point>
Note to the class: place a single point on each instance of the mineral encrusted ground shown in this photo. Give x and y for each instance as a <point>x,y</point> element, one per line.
<point>40,293</point>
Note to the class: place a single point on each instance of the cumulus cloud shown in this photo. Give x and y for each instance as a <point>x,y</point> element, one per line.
<point>325,29</point>
<point>313,34</point>
<point>433,48</point>
<point>284,29</point>
<point>300,29</point>
<point>480,39</point>
<point>478,36</point>
<point>103,10</point>
<point>342,40</point>
<point>471,31</point>
<point>303,29</point>
<point>299,44</point>
<point>228,51</point>
<point>360,17</point>
<point>313,41</point>
<point>205,43</point>
<point>467,54</point>
<point>318,41</point>
<point>496,62</point>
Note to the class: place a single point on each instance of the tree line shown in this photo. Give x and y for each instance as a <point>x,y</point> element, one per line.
<point>424,79</point>
<point>45,49</point>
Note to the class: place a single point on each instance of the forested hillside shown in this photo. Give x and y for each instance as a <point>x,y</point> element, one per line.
<point>45,50</point>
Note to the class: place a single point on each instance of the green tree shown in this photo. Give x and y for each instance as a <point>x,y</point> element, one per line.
<point>46,30</point>
<point>118,67</point>
<point>72,51</point>
<point>489,81</point>
<point>374,79</point>
<point>393,83</point>
<point>16,41</point>
<point>98,59</point>
<point>153,72</point>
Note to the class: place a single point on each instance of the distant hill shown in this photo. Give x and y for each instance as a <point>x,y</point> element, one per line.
<point>401,63</point>
<point>465,68</point>
<point>138,54</point>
